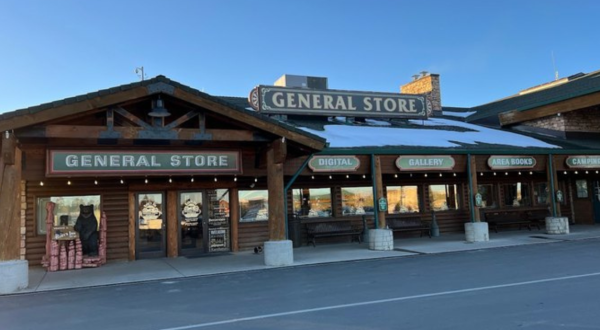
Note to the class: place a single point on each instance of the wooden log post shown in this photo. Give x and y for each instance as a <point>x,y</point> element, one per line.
<point>473,189</point>
<point>10,199</point>
<point>276,155</point>
<point>379,184</point>
<point>172,224</point>
<point>234,217</point>
<point>552,177</point>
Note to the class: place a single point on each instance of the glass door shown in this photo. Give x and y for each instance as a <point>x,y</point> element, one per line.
<point>191,225</point>
<point>150,226</point>
<point>203,222</point>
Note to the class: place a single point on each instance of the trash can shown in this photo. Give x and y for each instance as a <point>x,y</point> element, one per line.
<point>294,230</point>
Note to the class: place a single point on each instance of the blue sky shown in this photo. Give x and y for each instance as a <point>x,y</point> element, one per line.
<point>483,50</point>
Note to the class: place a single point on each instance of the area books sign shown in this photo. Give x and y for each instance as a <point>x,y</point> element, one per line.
<point>302,101</point>
<point>424,163</point>
<point>588,161</point>
<point>106,163</point>
<point>334,163</point>
<point>511,162</point>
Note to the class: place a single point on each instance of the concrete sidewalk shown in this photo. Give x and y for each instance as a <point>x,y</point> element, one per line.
<point>182,267</point>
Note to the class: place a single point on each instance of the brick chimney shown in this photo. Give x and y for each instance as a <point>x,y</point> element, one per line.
<point>428,84</point>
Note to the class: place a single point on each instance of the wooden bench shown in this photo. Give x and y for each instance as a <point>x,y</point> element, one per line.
<point>409,224</point>
<point>332,228</point>
<point>512,218</point>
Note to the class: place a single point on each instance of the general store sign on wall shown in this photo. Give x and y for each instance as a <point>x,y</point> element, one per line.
<point>334,163</point>
<point>588,161</point>
<point>424,163</point>
<point>302,101</point>
<point>511,162</point>
<point>99,163</point>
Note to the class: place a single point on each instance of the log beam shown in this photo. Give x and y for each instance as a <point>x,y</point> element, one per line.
<point>10,201</point>
<point>276,195</point>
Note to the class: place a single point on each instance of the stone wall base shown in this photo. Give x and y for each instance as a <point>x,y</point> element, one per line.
<point>279,253</point>
<point>477,232</point>
<point>557,225</point>
<point>381,239</point>
<point>14,275</point>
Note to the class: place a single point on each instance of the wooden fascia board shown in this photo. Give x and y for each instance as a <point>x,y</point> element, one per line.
<point>61,111</point>
<point>516,116</point>
<point>251,120</point>
<point>129,133</point>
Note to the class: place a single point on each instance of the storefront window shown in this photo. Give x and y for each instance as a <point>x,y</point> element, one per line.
<point>541,193</point>
<point>443,197</point>
<point>254,205</point>
<point>312,202</point>
<point>517,194</point>
<point>403,199</point>
<point>357,201</point>
<point>488,197</point>
<point>582,188</point>
<point>66,210</point>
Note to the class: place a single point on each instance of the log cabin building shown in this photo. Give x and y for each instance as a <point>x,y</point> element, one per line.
<point>179,172</point>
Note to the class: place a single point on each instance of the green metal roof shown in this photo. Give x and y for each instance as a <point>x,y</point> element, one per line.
<point>578,86</point>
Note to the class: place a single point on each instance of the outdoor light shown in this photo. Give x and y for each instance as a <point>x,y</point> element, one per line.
<point>586,172</point>
<point>42,183</point>
<point>425,175</point>
<point>96,182</point>
<point>7,134</point>
<point>215,179</point>
<point>519,172</point>
<point>69,182</point>
<point>146,180</point>
<point>348,176</point>
<point>192,179</point>
<point>159,110</point>
<point>364,176</point>
<point>330,177</point>
<point>494,173</point>
<point>565,172</point>
<point>530,173</point>
<point>170,180</point>
<point>235,178</point>
<point>122,181</point>
<point>396,176</point>
<point>480,173</point>
<point>411,175</point>
<point>312,177</point>
<point>596,172</point>
<point>454,174</point>
<point>440,175</point>
<point>576,172</point>
<point>505,173</point>
<point>256,179</point>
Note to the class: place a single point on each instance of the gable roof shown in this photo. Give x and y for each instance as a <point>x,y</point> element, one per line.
<point>576,86</point>
<point>160,84</point>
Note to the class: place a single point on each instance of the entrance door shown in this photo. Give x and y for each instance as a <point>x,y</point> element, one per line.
<point>150,225</point>
<point>596,200</point>
<point>203,221</point>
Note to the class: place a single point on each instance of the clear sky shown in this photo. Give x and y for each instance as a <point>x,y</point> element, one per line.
<point>483,50</point>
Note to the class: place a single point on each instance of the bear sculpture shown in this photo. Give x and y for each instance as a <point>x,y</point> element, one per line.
<point>87,227</point>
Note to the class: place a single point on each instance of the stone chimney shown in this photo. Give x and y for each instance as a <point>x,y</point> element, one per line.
<point>428,84</point>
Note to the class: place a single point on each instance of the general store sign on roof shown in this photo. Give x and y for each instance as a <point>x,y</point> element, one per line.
<point>302,101</point>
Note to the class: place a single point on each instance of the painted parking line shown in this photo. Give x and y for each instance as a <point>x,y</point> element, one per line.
<point>381,301</point>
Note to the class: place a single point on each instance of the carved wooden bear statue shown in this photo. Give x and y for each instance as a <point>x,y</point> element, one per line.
<point>87,227</point>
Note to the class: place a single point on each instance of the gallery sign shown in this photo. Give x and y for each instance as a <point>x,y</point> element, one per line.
<point>302,101</point>
<point>588,161</point>
<point>104,163</point>
<point>424,163</point>
<point>511,162</point>
<point>334,163</point>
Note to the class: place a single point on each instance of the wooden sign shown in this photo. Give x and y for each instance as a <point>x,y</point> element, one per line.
<point>117,162</point>
<point>334,163</point>
<point>425,163</point>
<point>64,233</point>
<point>588,161</point>
<point>511,162</point>
<point>303,101</point>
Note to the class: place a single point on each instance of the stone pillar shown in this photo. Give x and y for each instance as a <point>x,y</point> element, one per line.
<point>557,225</point>
<point>381,239</point>
<point>277,251</point>
<point>477,232</point>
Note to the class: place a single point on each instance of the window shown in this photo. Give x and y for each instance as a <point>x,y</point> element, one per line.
<point>443,197</point>
<point>312,202</point>
<point>517,194</point>
<point>403,199</point>
<point>582,188</point>
<point>65,211</point>
<point>488,196</point>
<point>357,201</point>
<point>541,193</point>
<point>254,205</point>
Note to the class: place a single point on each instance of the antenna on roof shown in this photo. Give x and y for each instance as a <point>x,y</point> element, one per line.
<point>554,67</point>
<point>140,72</point>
